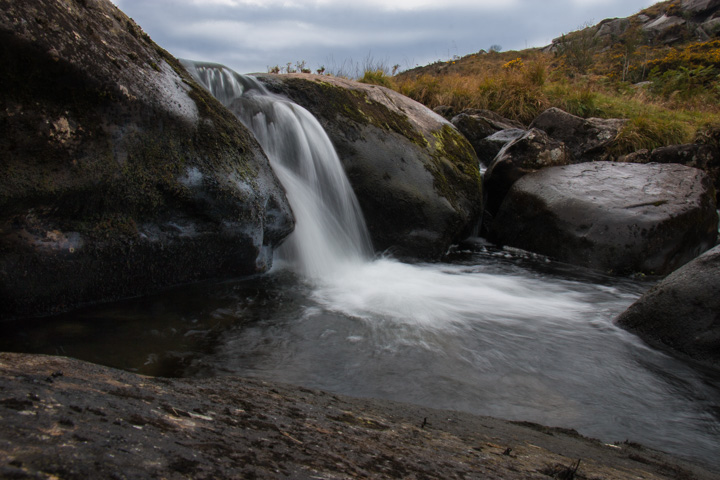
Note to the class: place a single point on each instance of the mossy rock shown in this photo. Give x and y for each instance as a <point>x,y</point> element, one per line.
<point>119,174</point>
<point>416,177</point>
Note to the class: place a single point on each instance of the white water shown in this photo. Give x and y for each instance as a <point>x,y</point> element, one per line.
<point>330,232</point>
<point>483,337</point>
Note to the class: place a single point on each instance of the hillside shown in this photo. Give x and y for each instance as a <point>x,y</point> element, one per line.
<point>659,68</point>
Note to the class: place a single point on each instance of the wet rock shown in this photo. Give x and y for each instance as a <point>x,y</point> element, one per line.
<point>477,125</point>
<point>587,139</point>
<point>528,153</point>
<point>96,422</point>
<point>706,157</point>
<point>681,312</point>
<point>119,174</point>
<point>615,217</point>
<point>416,177</point>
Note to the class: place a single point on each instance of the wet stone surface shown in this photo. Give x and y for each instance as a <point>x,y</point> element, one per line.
<point>64,418</point>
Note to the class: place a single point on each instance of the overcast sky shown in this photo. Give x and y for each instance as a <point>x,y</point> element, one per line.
<point>252,35</point>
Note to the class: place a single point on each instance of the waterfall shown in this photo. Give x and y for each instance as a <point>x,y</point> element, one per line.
<point>330,231</point>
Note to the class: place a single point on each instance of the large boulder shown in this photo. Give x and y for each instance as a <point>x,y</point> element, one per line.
<point>682,312</point>
<point>477,125</point>
<point>587,138</point>
<point>527,153</point>
<point>416,177</point>
<point>706,157</point>
<point>119,174</point>
<point>615,217</point>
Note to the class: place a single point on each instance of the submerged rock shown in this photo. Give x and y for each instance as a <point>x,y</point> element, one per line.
<point>416,177</point>
<point>63,418</point>
<point>119,174</point>
<point>681,312</point>
<point>616,217</point>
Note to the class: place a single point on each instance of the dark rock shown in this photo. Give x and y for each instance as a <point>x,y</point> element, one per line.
<point>489,147</point>
<point>616,217</point>
<point>96,422</point>
<point>445,111</point>
<point>119,174</point>
<point>706,157</point>
<point>586,138</point>
<point>681,312</point>
<point>416,177</point>
<point>529,153</point>
<point>477,125</point>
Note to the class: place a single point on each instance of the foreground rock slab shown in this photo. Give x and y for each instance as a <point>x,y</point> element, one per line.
<point>64,418</point>
<point>119,174</point>
<point>681,312</point>
<point>416,177</point>
<point>615,217</point>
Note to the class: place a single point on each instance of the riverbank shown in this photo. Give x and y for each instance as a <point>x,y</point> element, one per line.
<point>64,418</point>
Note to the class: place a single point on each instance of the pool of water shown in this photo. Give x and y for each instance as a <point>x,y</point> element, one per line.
<point>490,331</point>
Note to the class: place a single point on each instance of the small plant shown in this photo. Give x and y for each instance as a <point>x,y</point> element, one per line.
<point>513,64</point>
<point>274,70</point>
<point>376,77</point>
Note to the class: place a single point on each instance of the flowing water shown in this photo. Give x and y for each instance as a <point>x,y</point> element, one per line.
<point>490,331</point>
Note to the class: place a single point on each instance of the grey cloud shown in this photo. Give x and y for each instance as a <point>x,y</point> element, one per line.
<point>332,35</point>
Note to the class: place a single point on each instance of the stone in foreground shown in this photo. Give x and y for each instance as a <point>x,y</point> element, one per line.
<point>616,217</point>
<point>63,418</point>
<point>682,312</point>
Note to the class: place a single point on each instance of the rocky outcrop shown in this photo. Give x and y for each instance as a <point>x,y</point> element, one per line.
<point>528,153</point>
<point>586,138</point>
<point>477,125</point>
<point>416,177</point>
<point>119,174</point>
<point>615,217</point>
<point>681,312</point>
<point>63,418</point>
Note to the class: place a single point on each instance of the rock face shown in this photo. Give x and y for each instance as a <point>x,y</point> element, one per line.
<point>477,125</point>
<point>528,153</point>
<point>416,177</point>
<point>616,217</point>
<point>119,174</point>
<point>681,312</point>
<point>63,418</point>
<point>586,138</point>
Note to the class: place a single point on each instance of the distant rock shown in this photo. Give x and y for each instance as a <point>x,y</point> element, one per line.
<point>615,217</point>
<point>478,125</point>
<point>416,177</point>
<point>528,153</point>
<point>119,175</point>
<point>586,138</point>
<point>681,312</point>
<point>700,6</point>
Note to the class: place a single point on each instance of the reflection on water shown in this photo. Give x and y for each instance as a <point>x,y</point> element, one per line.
<point>492,332</point>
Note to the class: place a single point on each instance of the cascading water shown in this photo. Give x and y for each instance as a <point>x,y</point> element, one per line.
<point>493,332</point>
<point>330,232</point>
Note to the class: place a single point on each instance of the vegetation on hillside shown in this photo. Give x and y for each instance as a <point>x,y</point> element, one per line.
<point>669,90</point>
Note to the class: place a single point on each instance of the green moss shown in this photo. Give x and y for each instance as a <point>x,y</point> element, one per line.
<point>455,167</point>
<point>355,105</point>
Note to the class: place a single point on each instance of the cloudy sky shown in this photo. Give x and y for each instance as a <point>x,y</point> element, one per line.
<point>252,35</point>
